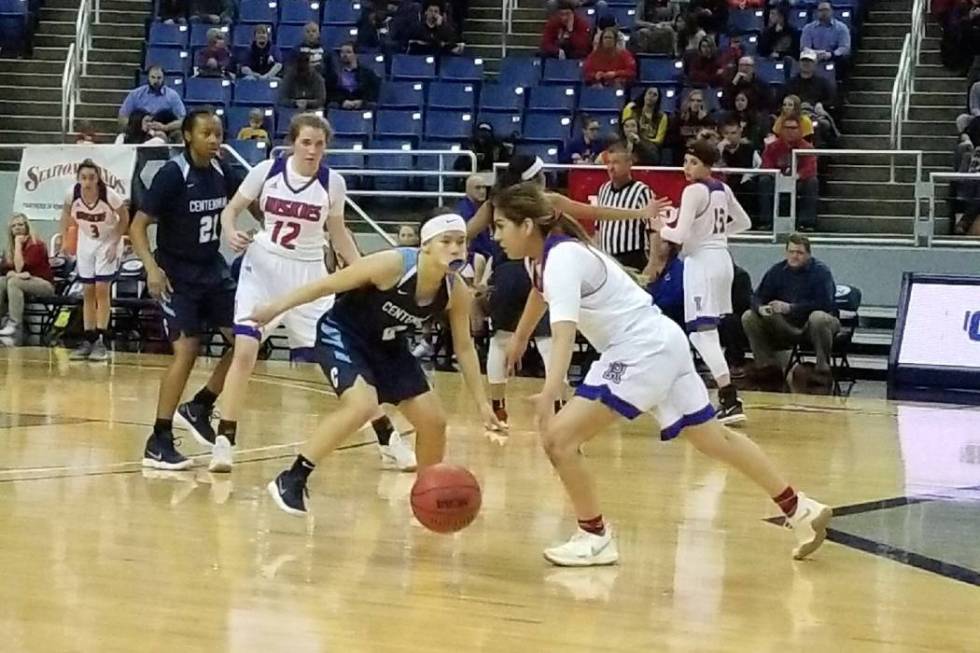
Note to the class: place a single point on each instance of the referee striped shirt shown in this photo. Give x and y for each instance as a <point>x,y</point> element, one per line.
<point>621,236</point>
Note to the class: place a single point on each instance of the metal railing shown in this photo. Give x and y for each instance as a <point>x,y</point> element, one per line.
<point>904,85</point>
<point>76,63</point>
<point>934,178</point>
<point>507,8</point>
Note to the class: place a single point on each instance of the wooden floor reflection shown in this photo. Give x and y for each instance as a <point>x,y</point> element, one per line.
<point>97,555</point>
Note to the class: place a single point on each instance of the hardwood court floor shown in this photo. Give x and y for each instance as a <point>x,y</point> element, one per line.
<point>96,555</point>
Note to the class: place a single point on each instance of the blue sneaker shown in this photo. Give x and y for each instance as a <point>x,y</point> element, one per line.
<point>196,419</point>
<point>161,453</point>
<point>289,494</point>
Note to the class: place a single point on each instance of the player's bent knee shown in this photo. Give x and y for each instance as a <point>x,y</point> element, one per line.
<point>557,446</point>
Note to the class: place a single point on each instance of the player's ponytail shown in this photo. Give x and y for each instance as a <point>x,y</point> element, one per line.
<point>527,201</point>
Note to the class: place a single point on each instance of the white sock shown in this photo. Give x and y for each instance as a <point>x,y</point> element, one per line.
<point>709,346</point>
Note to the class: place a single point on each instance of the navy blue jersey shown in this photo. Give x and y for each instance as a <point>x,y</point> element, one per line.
<point>388,316</point>
<point>186,202</point>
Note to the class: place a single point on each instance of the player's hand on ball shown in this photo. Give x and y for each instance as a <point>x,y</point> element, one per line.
<point>157,283</point>
<point>658,206</point>
<point>239,240</point>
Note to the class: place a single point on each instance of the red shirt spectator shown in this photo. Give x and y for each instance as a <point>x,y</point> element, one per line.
<point>610,64</point>
<point>702,67</point>
<point>779,153</point>
<point>36,261</point>
<point>566,35</point>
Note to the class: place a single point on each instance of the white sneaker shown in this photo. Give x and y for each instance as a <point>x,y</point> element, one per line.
<point>423,350</point>
<point>809,524</point>
<point>397,454</point>
<point>584,550</point>
<point>9,329</point>
<point>221,455</point>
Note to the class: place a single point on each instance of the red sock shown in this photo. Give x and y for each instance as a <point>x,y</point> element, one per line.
<point>595,525</point>
<point>787,501</point>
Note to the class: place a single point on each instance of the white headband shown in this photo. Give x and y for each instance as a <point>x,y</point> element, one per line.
<point>441,224</point>
<point>533,170</point>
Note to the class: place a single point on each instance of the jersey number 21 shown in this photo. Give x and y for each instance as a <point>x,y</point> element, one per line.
<point>210,229</point>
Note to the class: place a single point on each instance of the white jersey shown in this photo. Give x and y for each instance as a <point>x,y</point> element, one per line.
<point>708,214</point>
<point>294,208</point>
<point>584,285</point>
<point>96,222</point>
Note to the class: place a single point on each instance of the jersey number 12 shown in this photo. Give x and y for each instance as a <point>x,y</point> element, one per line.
<point>284,233</point>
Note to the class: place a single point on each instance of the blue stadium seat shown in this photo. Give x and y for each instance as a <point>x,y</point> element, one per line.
<point>345,159</point>
<point>625,17</point>
<point>505,125</point>
<point>660,70</point>
<point>256,92</point>
<point>171,60</point>
<point>461,69</point>
<point>448,125</point>
<point>351,123</point>
<point>741,21</point>
<point>750,43</point>
<point>241,37</point>
<point>218,110</point>
<point>13,31</point>
<point>207,90</point>
<point>298,12</point>
<point>771,72</point>
<point>420,67</point>
<point>798,18</point>
<point>394,123</point>
<point>552,98</point>
<point>199,34</point>
<point>341,12</point>
<point>435,162</point>
<point>168,36</point>
<point>13,8</point>
<point>252,151</point>
<point>391,162</point>
<point>502,97</point>
<point>334,36</point>
<point>375,62</point>
<point>284,115</point>
<point>562,71</point>
<point>601,100</point>
<point>289,36</point>
<point>460,96</point>
<point>669,99</point>
<point>237,117</point>
<point>588,15</point>
<point>520,71</point>
<point>257,11</point>
<point>547,127</point>
<point>546,152</point>
<point>402,95</point>
<point>608,127</point>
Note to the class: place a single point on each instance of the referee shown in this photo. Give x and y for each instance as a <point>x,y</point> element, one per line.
<point>624,240</point>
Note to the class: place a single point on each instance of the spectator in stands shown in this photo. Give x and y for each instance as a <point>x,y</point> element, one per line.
<point>689,33</point>
<point>652,122</point>
<point>793,108</point>
<point>961,36</point>
<point>686,125</point>
<point>476,195</point>
<point>755,125</point>
<point>972,105</point>
<point>779,40</point>
<point>812,89</point>
<point>702,66</point>
<point>86,134</point>
<point>778,155</point>
<point>371,28</point>
<point>312,49</point>
<point>657,38</point>
<point>139,130</point>
<point>172,11</point>
<point>156,99</point>
<point>255,129</point>
<point>262,60</point>
<point>584,149</point>
<point>303,87</point>
<point>737,152</point>
<point>611,64</point>
<point>643,154</point>
<point>354,86</point>
<point>434,34</point>
<point>218,12</point>
<point>24,270</point>
<point>728,57</point>
<point>828,37</point>
<point>214,60</point>
<point>408,235</point>
<point>566,34</point>
<point>746,81</point>
<point>793,304</point>
<point>488,148</point>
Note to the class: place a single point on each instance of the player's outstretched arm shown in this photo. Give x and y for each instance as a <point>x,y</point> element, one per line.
<point>379,270</point>
<point>582,211</point>
<point>460,307</point>
<point>694,201</point>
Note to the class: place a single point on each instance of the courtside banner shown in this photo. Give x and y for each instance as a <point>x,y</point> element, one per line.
<point>48,172</point>
<point>583,184</point>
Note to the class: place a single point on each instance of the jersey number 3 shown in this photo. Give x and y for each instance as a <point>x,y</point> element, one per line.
<point>209,229</point>
<point>284,233</point>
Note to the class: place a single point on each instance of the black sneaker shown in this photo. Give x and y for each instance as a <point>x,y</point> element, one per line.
<point>732,414</point>
<point>196,419</point>
<point>289,494</point>
<point>161,453</point>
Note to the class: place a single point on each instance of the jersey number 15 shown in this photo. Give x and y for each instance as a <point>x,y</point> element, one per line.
<point>722,219</point>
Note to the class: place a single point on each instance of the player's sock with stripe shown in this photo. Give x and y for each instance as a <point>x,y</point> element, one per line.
<point>301,469</point>
<point>162,426</point>
<point>228,428</point>
<point>205,397</point>
<point>595,525</point>
<point>498,404</point>
<point>787,500</point>
<point>383,429</point>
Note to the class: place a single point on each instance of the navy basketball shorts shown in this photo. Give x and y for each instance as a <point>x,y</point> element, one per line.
<point>192,308</point>
<point>388,367</point>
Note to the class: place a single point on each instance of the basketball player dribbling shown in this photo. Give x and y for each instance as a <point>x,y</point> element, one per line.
<point>363,346</point>
<point>645,364</point>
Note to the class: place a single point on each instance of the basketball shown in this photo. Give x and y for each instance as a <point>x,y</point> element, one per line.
<point>445,498</point>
